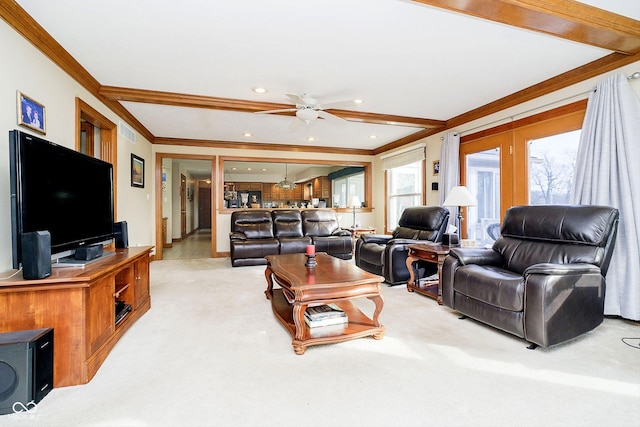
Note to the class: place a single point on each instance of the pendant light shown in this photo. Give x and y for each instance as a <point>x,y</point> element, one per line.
<point>285,184</point>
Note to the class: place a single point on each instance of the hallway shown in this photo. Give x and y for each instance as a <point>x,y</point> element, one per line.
<point>197,245</point>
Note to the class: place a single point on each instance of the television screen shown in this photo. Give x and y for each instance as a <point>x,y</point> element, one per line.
<point>60,190</point>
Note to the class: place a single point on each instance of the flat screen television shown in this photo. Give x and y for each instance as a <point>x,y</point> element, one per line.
<point>59,190</point>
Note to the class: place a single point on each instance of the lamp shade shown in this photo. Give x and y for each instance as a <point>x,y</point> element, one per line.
<point>460,196</point>
<point>354,202</point>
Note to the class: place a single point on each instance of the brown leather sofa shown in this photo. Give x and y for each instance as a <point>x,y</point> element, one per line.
<point>258,233</point>
<point>544,278</point>
<point>386,255</point>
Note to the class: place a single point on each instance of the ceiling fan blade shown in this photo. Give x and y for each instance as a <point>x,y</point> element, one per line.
<point>331,117</point>
<point>296,99</point>
<point>276,111</point>
<point>338,104</point>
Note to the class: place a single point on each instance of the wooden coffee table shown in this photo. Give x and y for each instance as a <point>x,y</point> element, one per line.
<point>332,281</point>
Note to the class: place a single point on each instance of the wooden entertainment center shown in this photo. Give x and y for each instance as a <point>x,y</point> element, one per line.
<point>79,304</point>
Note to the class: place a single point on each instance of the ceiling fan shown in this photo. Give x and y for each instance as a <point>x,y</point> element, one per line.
<point>308,109</point>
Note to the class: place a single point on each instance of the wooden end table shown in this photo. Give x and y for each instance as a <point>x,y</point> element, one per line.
<point>356,232</point>
<point>332,281</point>
<point>435,253</point>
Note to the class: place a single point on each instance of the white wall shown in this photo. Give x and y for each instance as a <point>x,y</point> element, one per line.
<point>25,69</point>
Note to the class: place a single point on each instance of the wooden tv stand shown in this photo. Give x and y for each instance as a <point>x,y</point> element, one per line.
<point>79,304</point>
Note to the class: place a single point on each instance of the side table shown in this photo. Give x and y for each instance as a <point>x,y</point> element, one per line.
<point>356,232</point>
<point>435,253</point>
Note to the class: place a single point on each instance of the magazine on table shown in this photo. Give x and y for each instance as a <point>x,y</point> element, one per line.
<point>329,321</point>
<point>325,311</point>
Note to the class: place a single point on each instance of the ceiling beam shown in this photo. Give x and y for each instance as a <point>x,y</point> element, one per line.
<point>566,19</point>
<point>245,106</point>
<point>260,146</point>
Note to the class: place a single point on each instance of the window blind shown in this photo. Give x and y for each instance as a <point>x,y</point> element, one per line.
<point>405,158</point>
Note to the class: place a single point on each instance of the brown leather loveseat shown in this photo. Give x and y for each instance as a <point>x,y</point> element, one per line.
<point>258,233</point>
<point>544,278</point>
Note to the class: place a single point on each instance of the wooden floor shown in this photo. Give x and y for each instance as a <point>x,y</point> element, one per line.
<point>197,245</point>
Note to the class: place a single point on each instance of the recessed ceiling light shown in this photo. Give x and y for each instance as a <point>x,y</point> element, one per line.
<point>358,101</point>
<point>372,136</point>
<point>311,138</point>
<point>247,134</point>
<point>259,90</point>
<point>248,169</point>
<point>264,169</point>
<point>233,169</point>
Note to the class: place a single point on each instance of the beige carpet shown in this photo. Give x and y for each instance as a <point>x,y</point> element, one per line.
<point>210,352</point>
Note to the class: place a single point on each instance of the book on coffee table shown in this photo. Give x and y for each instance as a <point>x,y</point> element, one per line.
<point>324,311</point>
<point>325,315</point>
<point>288,295</point>
<point>329,321</point>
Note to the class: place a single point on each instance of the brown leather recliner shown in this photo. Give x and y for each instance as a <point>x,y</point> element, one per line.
<point>544,278</point>
<point>386,255</point>
<point>324,229</point>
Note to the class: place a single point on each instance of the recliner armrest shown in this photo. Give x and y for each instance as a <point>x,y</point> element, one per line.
<point>398,241</point>
<point>562,269</point>
<point>375,238</point>
<point>341,232</point>
<point>237,236</point>
<point>479,256</point>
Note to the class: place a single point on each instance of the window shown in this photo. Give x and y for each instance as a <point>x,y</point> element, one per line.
<point>345,187</point>
<point>530,161</point>
<point>404,189</point>
<point>551,163</point>
<point>483,181</point>
<point>404,173</point>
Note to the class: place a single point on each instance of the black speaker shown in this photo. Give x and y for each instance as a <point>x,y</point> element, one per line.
<point>90,252</point>
<point>121,234</point>
<point>36,255</point>
<point>26,369</point>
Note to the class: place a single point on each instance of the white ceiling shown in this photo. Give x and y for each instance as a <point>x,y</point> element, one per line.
<point>399,57</point>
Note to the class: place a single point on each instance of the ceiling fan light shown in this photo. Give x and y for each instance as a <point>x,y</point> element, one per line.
<point>307,114</point>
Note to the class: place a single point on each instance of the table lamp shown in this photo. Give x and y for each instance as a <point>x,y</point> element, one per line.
<point>354,202</point>
<point>458,196</point>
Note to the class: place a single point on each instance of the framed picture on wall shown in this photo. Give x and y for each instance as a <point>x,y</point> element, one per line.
<point>137,171</point>
<point>31,114</point>
<point>436,167</point>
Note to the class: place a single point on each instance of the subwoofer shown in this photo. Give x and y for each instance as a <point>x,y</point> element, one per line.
<point>121,234</point>
<point>26,369</point>
<point>36,255</point>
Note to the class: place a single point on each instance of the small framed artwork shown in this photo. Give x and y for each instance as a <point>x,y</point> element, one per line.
<point>137,171</point>
<point>436,167</point>
<point>31,114</point>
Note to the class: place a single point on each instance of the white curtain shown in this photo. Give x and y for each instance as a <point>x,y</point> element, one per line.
<point>449,175</point>
<point>608,173</point>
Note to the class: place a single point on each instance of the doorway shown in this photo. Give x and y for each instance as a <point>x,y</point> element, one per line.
<point>183,207</point>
